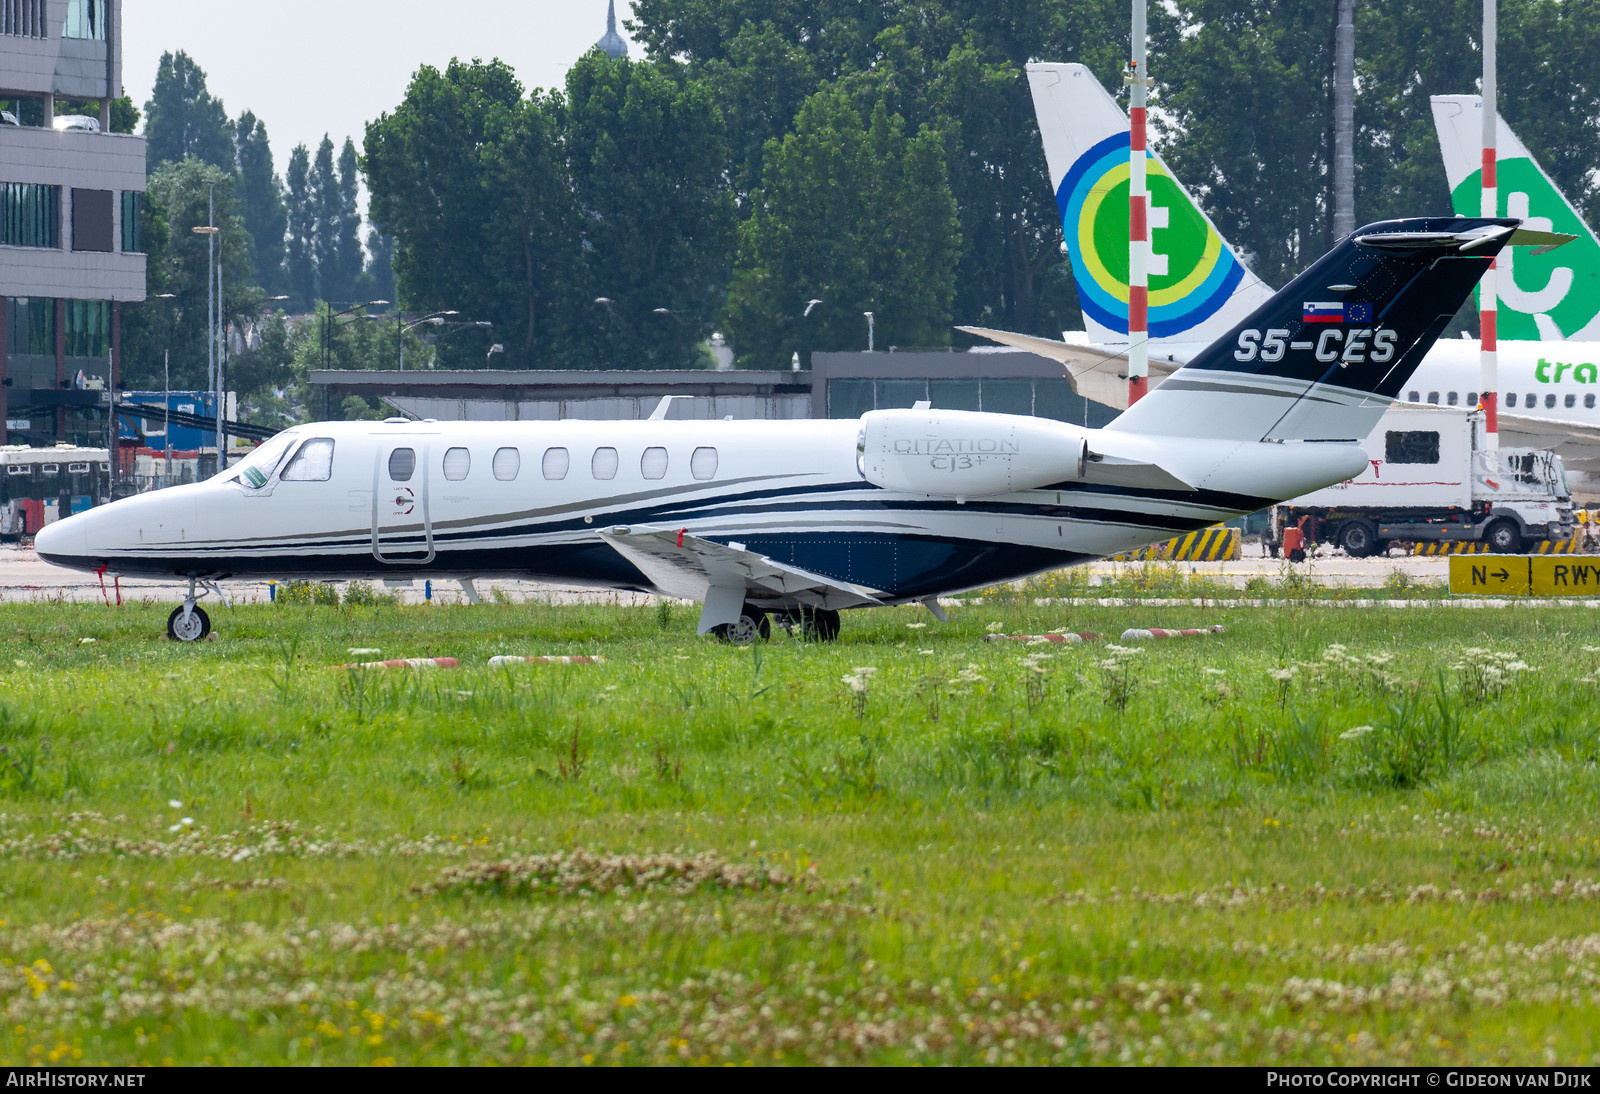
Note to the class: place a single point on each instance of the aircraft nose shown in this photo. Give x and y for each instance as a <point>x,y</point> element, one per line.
<point>66,542</point>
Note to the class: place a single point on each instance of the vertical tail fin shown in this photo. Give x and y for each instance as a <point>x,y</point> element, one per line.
<point>1550,296</point>
<point>1199,289</point>
<point>1322,360</point>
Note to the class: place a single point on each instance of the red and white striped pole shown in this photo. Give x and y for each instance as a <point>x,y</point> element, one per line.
<point>1138,218</point>
<point>1489,380</point>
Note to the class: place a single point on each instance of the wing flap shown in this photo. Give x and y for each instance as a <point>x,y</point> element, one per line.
<point>688,566</point>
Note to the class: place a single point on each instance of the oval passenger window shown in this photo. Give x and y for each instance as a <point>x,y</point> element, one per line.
<point>402,462</point>
<point>457,462</point>
<point>556,462</point>
<point>703,464</point>
<point>604,464</point>
<point>507,462</point>
<point>653,464</point>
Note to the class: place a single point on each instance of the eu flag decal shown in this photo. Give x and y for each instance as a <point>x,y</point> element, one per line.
<point>1335,312</point>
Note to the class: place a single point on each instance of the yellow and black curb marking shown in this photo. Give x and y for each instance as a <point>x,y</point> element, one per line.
<point>1462,547</point>
<point>1207,545</point>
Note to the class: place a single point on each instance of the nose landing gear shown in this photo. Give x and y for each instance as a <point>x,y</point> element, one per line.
<point>188,621</point>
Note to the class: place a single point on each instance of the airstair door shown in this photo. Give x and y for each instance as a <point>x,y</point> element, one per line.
<point>402,530</point>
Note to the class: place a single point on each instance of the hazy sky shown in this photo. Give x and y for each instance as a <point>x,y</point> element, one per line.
<point>308,67</point>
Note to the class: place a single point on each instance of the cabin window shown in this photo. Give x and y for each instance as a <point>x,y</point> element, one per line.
<point>1411,446</point>
<point>1415,397</point>
<point>1588,401</point>
<point>313,463</point>
<point>653,464</point>
<point>457,462</point>
<point>604,464</point>
<point>703,464</point>
<point>402,463</point>
<point>51,469</point>
<point>1530,400</point>
<point>1510,398</point>
<point>1433,397</point>
<point>18,469</point>
<point>1472,398</point>
<point>83,468</point>
<point>1550,401</point>
<point>1450,399</point>
<point>508,461</point>
<point>555,464</point>
<point>1570,401</point>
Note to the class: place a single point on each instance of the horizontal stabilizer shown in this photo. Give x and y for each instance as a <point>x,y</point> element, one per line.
<point>688,566</point>
<point>1097,374</point>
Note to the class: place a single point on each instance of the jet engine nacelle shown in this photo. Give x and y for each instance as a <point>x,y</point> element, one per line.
<point>964,454</point>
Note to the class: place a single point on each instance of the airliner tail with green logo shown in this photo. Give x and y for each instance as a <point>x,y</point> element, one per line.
<point>1547,297</point>
<point>1199,289</point>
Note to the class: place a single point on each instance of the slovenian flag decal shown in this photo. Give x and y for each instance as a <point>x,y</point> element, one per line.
<point>1335,312</point>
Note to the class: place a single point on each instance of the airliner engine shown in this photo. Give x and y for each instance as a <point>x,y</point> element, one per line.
<point>964,454</point>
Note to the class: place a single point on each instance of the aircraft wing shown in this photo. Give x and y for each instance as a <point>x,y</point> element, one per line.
<point>688,566</point>
<point>1578,444</point>
<point>1096,374</point>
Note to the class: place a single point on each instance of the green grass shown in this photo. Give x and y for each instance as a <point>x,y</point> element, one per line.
<point>1323,836</point>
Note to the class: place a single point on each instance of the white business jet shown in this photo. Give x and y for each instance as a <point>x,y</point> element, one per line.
<point>805,518</point>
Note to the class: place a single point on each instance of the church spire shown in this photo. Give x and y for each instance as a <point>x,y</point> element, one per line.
<point>612,43</point>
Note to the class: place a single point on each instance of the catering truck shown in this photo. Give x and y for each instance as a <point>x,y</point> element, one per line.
<point>1430,478</point>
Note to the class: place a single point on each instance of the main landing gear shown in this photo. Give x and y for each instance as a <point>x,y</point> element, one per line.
<point>753,624</point>
<point>188,621</point>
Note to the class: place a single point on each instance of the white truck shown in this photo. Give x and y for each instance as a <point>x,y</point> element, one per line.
<point>1430,479</point>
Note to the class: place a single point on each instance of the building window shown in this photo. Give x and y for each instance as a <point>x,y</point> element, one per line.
<point>457,462</point>
<point>30,215</point>
<point>313,463</point>
<point>1411,446</point>
<point>91,220</point>
<point>85,19</point>
<point>31,325</point>
<point>703,464</point>
<point>132,229</point>
<point>604,464</point>
<point>23,18</point>
<point>88,328</point>
<point>402,462</point>
<point>653,464</point>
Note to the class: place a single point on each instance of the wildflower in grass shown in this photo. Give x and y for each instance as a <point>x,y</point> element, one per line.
<point>174,804</point>
<point>857,681</point>
<point>1355,733</point>
<point>995,628</point>
<point>1486,674</point>
<point>915,626</point>
<point>1284,677</point>
<point>1209,671</point>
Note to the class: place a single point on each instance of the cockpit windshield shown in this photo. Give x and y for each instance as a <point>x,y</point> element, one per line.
<point>255,470</point>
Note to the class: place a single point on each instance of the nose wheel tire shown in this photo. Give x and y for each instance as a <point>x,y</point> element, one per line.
<point>188,623</point>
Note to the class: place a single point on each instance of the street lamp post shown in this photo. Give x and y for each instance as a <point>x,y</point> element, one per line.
<point>436,319</point>
<point>213,309</point>
<point>166,395</point>
<point>869,330</point>
<point>805,328</point>
<point>327,335</point>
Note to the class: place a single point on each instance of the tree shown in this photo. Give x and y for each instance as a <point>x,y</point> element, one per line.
<point>183,120</point>
<point>300,263</point>
<point>180,191</point>
<point>467,175</point>
<point>327,202</point>
<point>350,260</point>
<point>855,213</point>
<point>261,202</point>
<point>647,159</point>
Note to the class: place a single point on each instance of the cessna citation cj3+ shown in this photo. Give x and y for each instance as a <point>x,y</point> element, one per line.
<point>805,518</point>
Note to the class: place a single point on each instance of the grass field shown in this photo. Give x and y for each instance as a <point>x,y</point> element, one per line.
<point>1322,836</point>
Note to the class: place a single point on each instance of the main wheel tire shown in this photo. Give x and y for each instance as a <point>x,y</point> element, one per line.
<point>820,624</point>
<point>1358,538</point>
<point>1503,538</point>
<point>190,626</point>
<point>751,626</point>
